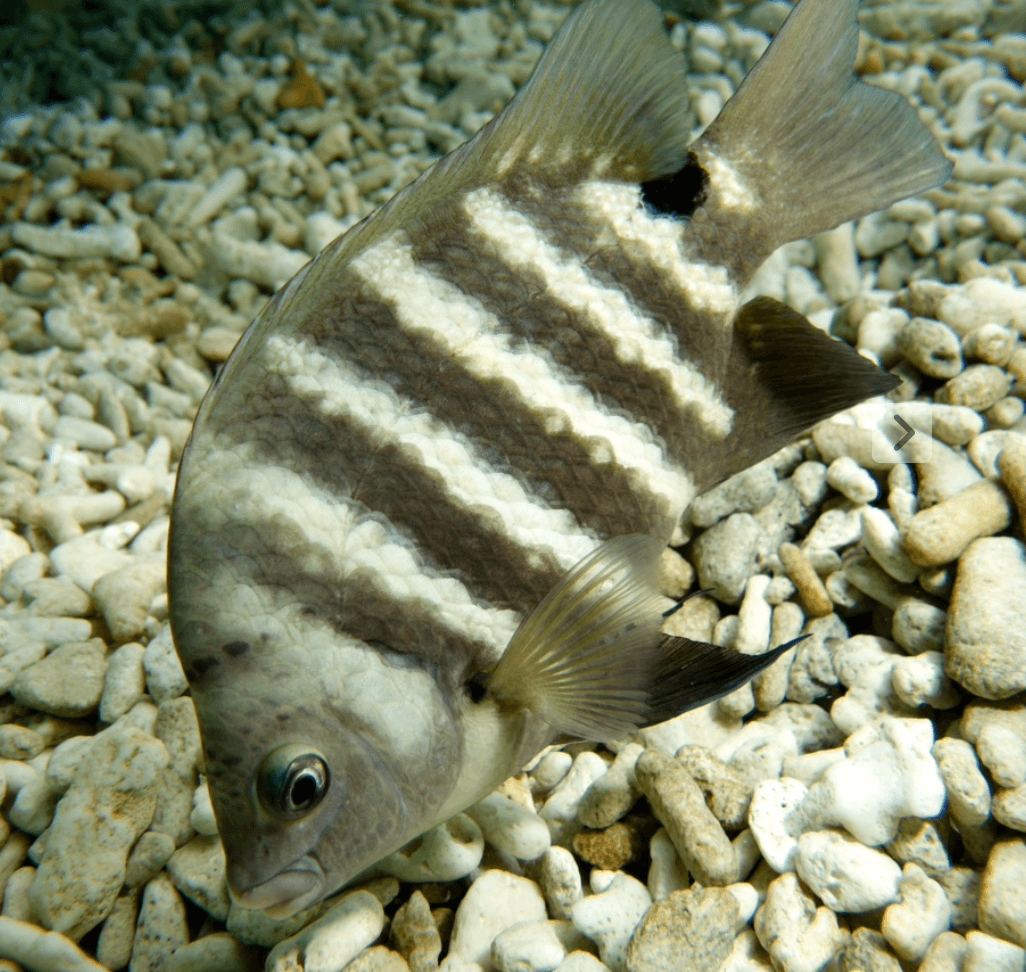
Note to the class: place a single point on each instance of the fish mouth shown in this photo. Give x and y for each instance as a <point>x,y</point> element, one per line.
<point>298,886</point>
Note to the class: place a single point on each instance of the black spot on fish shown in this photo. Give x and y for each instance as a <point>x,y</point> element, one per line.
<point>680,193</point>
<point>236,648</point>
<point>477,686</point>
<point>200,667</point>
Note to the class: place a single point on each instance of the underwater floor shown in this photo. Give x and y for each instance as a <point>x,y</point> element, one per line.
<point>862,805</point>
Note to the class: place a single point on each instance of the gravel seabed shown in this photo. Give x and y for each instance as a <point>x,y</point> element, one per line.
<point>861,806</point>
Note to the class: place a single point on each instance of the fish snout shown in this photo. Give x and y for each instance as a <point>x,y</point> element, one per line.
<point>300,885</point>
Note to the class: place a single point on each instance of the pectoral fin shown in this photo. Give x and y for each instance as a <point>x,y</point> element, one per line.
<point>592,662</point>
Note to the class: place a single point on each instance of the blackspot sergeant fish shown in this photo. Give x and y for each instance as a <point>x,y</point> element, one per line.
<point>417,525</point>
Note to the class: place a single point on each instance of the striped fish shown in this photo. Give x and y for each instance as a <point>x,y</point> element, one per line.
<point>417,525</point>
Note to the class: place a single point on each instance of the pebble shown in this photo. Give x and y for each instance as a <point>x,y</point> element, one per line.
<point>932,347</point>
<point>679,805</point>
<point>510,827</point>
<point>918,625</point>
<point>332,941</point>
<point>124,682</point>
<point>109,804</point>
<point>807,582</point>
<point>846,875</point>
<point>162,927</point>
<point>447,852</point>
<point>945,954</point>
<point>68,682</point>
<point>560,880</point>
<point>968,792</point>
<point>534,946</point>
<point>614,793</point>
<point>978,387</point>
<point>912,923</point>
<point>124,596</point>
<point>478,922</point>
<point>610,916</point>
<point>998,733</point>
<point>724,556</point>
<point>776,820</point>
<point>867,951</point>
<point>693,929</point>
<point>984,953</point>
<point>920,680</point>
<point>198,871</point>
<point>1011,464</point>
<point>1002,907</point>
<point>560,809</point>
<point>414,933</point>
<point>888,773</point>
<point>33,948</point>
<point>667,872</point>
<point>799,936</point>
<point>848,477</point>
<point>219,951</point>
<point>942,533</point>
<point>986,630</point>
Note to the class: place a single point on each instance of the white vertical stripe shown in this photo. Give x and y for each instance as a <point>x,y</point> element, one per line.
<point>341,539</point>
<point>636,338</point>
<point>659,240</point>
<point>376,411</point>
<point>460,327</point>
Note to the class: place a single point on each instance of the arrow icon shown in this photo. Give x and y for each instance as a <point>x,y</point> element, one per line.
<point>909,432</point>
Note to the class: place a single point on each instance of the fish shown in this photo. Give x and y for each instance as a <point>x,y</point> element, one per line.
<point>418,523</point>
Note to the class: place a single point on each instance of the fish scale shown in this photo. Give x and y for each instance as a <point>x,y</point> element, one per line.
<point>417,526</point>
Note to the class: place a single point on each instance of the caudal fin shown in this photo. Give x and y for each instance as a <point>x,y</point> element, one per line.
<point>807,145</point>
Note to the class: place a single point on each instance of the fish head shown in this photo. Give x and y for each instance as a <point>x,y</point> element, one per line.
<point>322,756</point>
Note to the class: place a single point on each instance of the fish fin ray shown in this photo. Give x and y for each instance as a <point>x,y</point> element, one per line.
<point>608,99</point>
<point>581,660</point>
<point>693,673</point>
<point>816,145</point>
<point>801,374</point>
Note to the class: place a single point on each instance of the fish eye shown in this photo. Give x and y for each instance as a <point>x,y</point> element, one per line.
<point>292,781</point>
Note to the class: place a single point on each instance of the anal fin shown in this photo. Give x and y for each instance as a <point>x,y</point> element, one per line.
<point>784,375</point>
<point>693,673</point>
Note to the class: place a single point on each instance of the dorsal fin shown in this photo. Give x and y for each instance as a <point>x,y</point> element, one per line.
<point>608,99</point>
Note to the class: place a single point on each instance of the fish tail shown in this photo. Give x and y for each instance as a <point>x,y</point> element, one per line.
<point>804,145</point>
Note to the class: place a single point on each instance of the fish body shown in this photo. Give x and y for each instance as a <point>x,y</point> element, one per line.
<point>417,525</point>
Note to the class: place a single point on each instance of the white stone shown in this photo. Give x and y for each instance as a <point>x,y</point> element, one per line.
<point>124,683</point>
<point>609,918</point>
<point>551,768</point>
<point>865,664</point>
<point>882,540</point>
<point>510,827</point>
<point>921,914</point>
<point>667,872</point>
<point>480,917</point>
<point>920,680</point>
<point>845,875</point>
<point>165,678</point>
<point>87,558</point>
<point>447,852</point>
<point>202,817</point>
<point>988,954</point>
<point>888,773</point>
<point>117,242</point>
<point>776,820</point>
<point>798,936</point>
<point>560,879</point>
<point>614,793</point>
<point>581,962</point>
<point>334,940</point>
<point>532,946</point>
<point>38,950</point>
<point>846,476</point>
<point>560,809</point>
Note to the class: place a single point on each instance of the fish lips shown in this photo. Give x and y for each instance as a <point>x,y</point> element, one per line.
<point>297,887</point>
